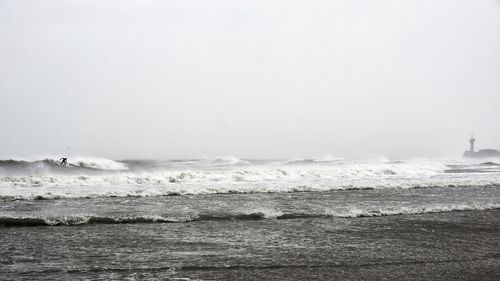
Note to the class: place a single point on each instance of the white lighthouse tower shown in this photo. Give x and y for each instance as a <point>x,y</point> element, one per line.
<point>481,153</point>
<point>471,141</point>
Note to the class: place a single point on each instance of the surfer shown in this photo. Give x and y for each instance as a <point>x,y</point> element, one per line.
<point>64,161</point>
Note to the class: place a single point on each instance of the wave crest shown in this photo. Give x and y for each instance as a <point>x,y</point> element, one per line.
<point>52,165</point>
<point>258,215</point>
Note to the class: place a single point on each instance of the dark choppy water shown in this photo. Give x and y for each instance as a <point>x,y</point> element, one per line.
<point>444,246</point>
<point>356,234</point>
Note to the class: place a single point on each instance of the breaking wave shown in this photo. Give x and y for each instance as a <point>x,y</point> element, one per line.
<point>7,221</point>
<point>227,160</point>
<point>307,161</point>
<point>52,165</point>
<point>96,177</point>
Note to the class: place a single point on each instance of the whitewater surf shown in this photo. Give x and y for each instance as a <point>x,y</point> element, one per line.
<point>221,218</point>
<point>95,177</point>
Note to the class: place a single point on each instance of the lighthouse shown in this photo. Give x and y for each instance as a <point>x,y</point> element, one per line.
<point>471,141</point>
<point>482,153</point>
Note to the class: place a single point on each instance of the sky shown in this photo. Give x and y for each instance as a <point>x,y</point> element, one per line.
<point>253,79</point>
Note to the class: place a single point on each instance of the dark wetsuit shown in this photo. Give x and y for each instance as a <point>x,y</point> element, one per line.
<point>64,161</point>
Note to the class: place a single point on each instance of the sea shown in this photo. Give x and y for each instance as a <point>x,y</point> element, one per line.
<point>242,219</point>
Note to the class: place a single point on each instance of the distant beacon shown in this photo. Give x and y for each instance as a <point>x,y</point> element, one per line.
<point>471,141</point>
<point>482,153</point>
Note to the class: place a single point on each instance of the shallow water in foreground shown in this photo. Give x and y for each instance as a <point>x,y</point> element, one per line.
<point>421,234</point>
<point>438,246</point>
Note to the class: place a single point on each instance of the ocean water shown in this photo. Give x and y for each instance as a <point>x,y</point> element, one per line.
<point>233,219</point>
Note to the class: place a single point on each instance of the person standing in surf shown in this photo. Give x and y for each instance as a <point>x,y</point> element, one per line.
<point>64,161</point>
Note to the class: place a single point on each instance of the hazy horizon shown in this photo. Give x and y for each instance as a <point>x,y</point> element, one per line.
<point>258,79</point>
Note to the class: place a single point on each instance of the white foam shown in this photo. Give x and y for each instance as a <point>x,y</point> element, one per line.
<point>97,163</point>
<point>401,210</point>
<point>271,177</point>
<point>255,213</point>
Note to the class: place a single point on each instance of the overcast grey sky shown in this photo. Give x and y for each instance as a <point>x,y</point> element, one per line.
<point>254,79</point>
